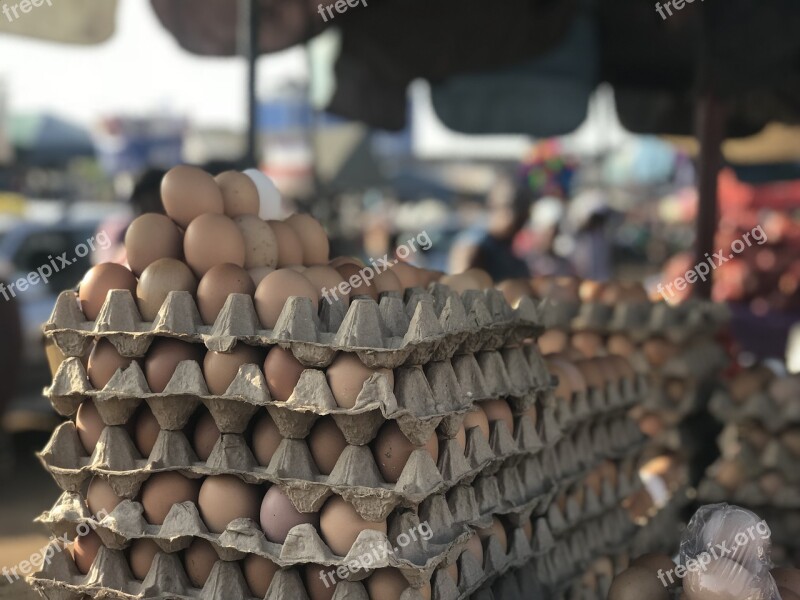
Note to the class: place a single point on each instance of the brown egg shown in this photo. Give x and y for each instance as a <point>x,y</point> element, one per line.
<point>347,375</point>
<point>217,284</point>
<point>276,288</point>
<point>637,583</point>
<point>290,248</point>
<point>621,344</point>
<point>658,351</point>
<point>162,491</point>
<point>220,368</point>
<point>145,430</point>
<point>282,372</point>
<point>386,584</point>
<point>142,554</point>
<point>409,275</point>
<point>723,579</point>
<point>261,245</point>
<point>279,515</point>
<point>787,594</point>
<point>460,283</point>
<point>313,239</point>
<point>104,361</point>
<point>225,498</point>
<point>159,279</point>
<point>266,439</point>
<point>359,285</point>
<point>340,525</point>
<point>499,410</point>
<point>428,276</point>
<point>788,579</point>
<point>89,425</point>
<point>150,237</point>
<point>259,273</point>
<point>205,436</point>
<point>100,280</point>
<point>392,449</point>
<point>326,443</point>
<point>656,563</point>
<point>483,278</point>
<point>461,437</point>
<point>320,582</point>
<point>164,356</point>
<point>326,281</point>
<point>85,550</point>
<point>188,192</point>
<point>212,240</point>
<point>199,559</point>
<point>588,343</point>
<point>514,290</point>
<point>101,497</point>
<point>239,193</point>
<point>258,573</point>
<point>496,531</point>
<point>475,547</point>
<point>590,291</point>
<point>335,263</point>
<point>553,341</point>
<point>477,418</point>
<point>387,281</point>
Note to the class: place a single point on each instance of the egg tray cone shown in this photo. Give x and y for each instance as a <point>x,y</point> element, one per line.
<point>422,398</point>
<point>422,327</point>
<point>110,578</point>
<point>776,414</point>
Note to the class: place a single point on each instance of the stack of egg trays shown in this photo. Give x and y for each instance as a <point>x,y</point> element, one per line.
<point>127,389</point>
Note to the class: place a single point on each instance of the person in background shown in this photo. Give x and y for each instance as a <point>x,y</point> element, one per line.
<point>539,243</point>
<point>587,220</point>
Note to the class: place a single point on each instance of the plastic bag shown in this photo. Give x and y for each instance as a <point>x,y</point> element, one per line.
<point>725,555</point>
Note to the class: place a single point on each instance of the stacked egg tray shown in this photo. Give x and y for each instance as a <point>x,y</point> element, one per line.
<point>448,352</point>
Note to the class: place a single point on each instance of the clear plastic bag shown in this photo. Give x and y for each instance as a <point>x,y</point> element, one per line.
<point>725,555</point>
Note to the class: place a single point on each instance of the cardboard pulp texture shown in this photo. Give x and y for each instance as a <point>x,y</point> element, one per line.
<point>423,326</point>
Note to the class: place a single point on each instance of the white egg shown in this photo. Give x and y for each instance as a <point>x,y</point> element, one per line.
<point>268,195</point>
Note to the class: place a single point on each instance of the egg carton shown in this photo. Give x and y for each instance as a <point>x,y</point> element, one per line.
<point>690,319</point>
<point>422,398</point>
<point>520,583</point>
<point>774,456</point>
<point>630,317</point>
<point>593,403</point>
<point>448,517</point>
<point>750,494</point>
<point>356,476</point>
<point>110,577</point>
<point>773,413</point>
<point>425,326</point>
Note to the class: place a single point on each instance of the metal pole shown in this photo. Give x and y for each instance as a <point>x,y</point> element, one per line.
<point>247,41</point>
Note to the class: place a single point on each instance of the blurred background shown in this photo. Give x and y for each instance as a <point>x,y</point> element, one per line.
<point>568,137</point>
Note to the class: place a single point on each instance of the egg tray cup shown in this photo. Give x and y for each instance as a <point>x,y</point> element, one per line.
<point>773,457</point>
<point>690,319</point>
<point>448,516</point>
<point>110,578</point>
<point>773,413</point>
<point>700,360</point>
<point>592,404</point>
<point>631,318</point>
<point>519,583</point>
<point>422,399</point>
<point>422,327</point>
<point>749,494</point>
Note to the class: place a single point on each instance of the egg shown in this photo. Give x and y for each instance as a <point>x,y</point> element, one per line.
<point>104,362</point>
<point>429,276</point>
<point>150,237</point>
<point>145,430</point>
<point>337,262</point>
<point>142,554</point>
<point>590,291</point>
<point>386,584</point>
<point>452,571</point>
<point>259,273</point>
<point>205,436</point>
<point>386,281</point>
<point>212,240</point>
<point>98,281</point>
<point>499,410</point>
<point>276,288</point>
<point>355,278</point>
<point>85,550</point>
<point>637,583</point>
<point>266,439</point>
<point>239,194</point>
<point>199,559</point>
<point>313,239</point>
<point>101,497</point>
<point>290,248</point>
<point>461,437</point>
<point>621,344</point>
<point>159,279</point>
<point>279,515</point>
<point>258,573</point>
<point>220,368</point>
<point>347,375</point>
<point>217,284</point>
<point>514,290</point>
<point>477,418</point>
<point>496,531</point>
<point>340,525</point>
<point>788,579</point>
<point>658,351</point>
<point>723,579</point>
<point>261,244</point>
<point>553,341</point>
<point>162,491</point>
<point>655,563</point>
<point>481,277</point>
<point>326,443</point>
<point>164,356</point>
<point>409,275</point>
<point>326,281</point>
<point>460,283</point>
<point>89,425</point>
<point>225,498</point>
<point>282,372</point>
<point>392,449</point>
<point>588,343</point>
<point>320,582</point>
<point>475,548</point>
<point>188,192</point>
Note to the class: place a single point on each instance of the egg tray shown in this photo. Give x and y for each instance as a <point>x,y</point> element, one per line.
<point>774,414</point>
<point>425,326</point>
<point>517,584</point>
<point>448,517</point>
<point>749,494</point>
<point>773,457</point>
<point>356,476</point>
<point>632,318</point>
<point>422,398</point>
<point>110,578</point>
<point>592,404</point>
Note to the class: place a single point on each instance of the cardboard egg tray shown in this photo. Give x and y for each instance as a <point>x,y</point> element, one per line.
<point>422,398</point>
<point>776,414</point>
<point>586,406</point>
<point>750,493</point>
<point>422,327</point>
<point>517,584</point>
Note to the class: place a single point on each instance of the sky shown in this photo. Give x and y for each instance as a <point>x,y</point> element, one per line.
<point>141,70</point>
